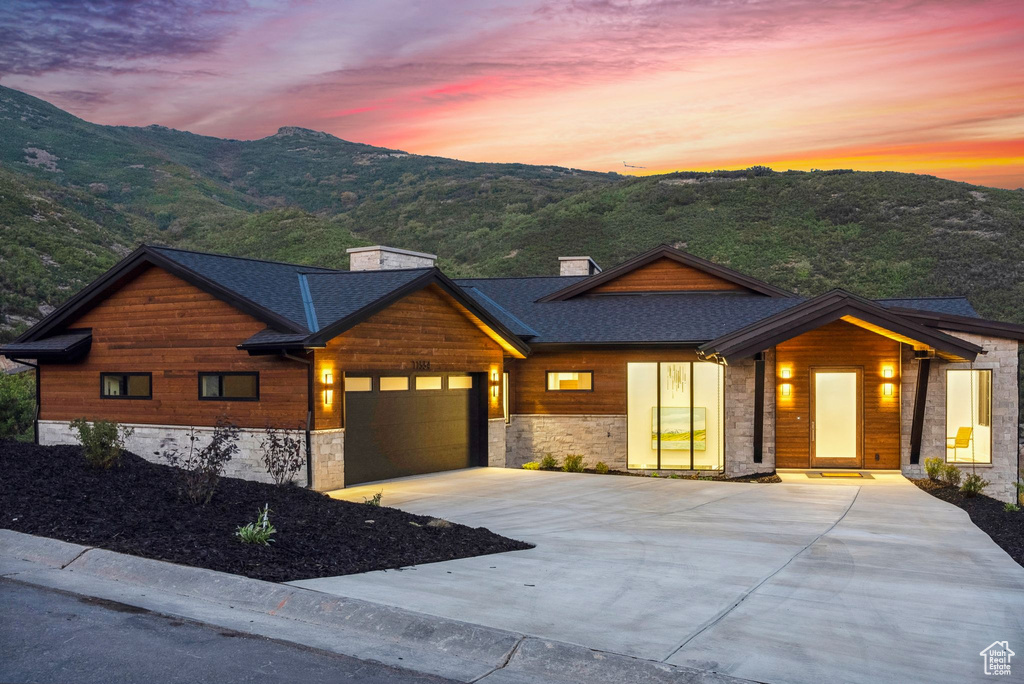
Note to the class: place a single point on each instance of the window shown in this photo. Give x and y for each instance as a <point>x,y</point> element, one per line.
<point>674,416</point>
<point>358,384</point>
<point>397,383</point>
<point>232,386</point>
<point>504,397</point>
<point>126,385</point>
<point>428,382</point>
<point>969,416</point>
<point>570,381</point>
<point>460,382</point>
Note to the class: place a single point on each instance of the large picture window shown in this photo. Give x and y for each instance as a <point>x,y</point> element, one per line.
<point>674,416</point>
<point>229,386</point>
<point>969,416</point>
<point>126,385</point>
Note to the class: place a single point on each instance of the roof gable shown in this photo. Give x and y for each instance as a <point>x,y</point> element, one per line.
<point>666,269</point>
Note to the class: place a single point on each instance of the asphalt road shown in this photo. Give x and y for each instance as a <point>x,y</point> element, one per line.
<point>50,637</point>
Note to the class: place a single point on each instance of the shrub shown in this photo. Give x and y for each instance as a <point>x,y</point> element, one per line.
<point>933,468</point>
<point>549,462</point>
<point>200,469</point>
<point>973,484</point>
<point>950,475</point>
<point>17,405</point>
<point>531,465</point>
<point>282,455</point>
<point>102,441</point>
<point>1011,507</point>
<point>258,532</point>
<point>375,499</point>
<point>601,468</point>
<point>1020,489</point>
<point>573,463</point>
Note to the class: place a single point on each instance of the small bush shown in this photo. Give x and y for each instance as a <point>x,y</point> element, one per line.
<point>17,406</point>
<point>950,475</point>
<point>258,532</point>
<point>1020,490</point>
<point>200,469</point>
<point>375,499</point>
<point>573,463</point>
<point>531,465</point>
<point>973,485</point>
<point>655,474</point>
<point>1011,507</point>
<point>549,462</point>
<point>102,441</point>
<point>282,455</point>
<point>601,468</point>
<point>933,468</point>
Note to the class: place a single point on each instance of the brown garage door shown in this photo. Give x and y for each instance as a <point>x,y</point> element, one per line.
<point>399,425</point>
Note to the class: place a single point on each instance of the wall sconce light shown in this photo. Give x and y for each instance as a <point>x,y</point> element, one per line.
<point>328,388</point>
<point>787,389</point>
<point>787,373</point>
<point>887,372</point>
<point>887,389</point>
<point>494,384</point>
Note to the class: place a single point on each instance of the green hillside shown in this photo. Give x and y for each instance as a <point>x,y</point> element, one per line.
<point>74,196</point>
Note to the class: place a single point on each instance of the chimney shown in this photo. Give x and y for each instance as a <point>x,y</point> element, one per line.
<point>577,266</point>
<point>380,258</point>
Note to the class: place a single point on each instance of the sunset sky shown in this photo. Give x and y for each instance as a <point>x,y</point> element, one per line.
<point>904,85</point>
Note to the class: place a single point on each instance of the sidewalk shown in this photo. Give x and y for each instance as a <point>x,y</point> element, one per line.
<point>360,629</point>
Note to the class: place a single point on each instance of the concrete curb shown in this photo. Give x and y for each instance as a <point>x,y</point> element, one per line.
<point>361,629</point>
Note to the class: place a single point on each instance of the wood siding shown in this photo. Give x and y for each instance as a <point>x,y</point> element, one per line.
<point>425,327</point>
<point>666,275</point>
<point>838,344</point>
<point>529,380</point>
<point>160,324</point>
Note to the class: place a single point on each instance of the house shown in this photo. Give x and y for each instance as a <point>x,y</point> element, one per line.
<point>666,362</point>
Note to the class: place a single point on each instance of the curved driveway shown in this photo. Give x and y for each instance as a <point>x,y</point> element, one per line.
<point>807,581</point>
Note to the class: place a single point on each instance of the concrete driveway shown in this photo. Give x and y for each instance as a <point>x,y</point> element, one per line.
<point>805,581</point>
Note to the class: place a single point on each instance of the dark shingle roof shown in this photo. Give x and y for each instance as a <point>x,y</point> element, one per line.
<point>620,318</point>
<point>47,345</point>
<point>958,306</point>
<point>340,294</point>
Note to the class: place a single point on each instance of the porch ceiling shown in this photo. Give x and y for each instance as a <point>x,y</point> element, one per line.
<point>884,332</point>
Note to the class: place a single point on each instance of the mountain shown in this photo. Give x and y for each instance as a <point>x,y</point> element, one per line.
<point>75,196</point>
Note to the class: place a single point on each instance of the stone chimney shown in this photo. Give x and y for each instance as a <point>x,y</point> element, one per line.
<point>381,258</point>
<point>577,266</point>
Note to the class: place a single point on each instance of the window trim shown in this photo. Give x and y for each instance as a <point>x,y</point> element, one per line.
<point>991,431</point>
<point>139,397</point>
<point>221,374</point>
<point>547,386</point>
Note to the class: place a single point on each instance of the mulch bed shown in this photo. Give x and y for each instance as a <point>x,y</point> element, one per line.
<point>1006,528</point>
<point>136,508</point>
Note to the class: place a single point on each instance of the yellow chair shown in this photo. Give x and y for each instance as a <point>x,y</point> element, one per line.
<point>962,440</point>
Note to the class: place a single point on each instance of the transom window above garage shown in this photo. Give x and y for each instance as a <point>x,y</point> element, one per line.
<point>126,385</point>
<point>570,381</point>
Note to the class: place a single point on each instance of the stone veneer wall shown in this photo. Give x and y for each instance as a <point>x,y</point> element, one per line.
<point>598,438</point>
<point>739,418</point>
<point>328,456</point>
<point>1000,356</point>
<point>496,446</point>
<point>149,439</point>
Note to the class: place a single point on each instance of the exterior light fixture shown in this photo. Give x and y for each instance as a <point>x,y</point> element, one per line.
<point>887,372</point>
<point>787,389</point>
<point>328,388</point>
<point>887,389</point>
<point>787,373</point>
<point>494,384</point>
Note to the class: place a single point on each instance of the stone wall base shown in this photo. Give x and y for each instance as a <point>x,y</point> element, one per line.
<point>496,446</point>
<point>328,456</point>
<point>598,438</point>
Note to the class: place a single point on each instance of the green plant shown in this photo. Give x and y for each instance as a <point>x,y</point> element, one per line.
<point>375,499</point>
<point>17,405</point>
<point>1011,507</point>
<point>258,532</point>
<point>933,468</point>
<point>282,454</point>
<point>199,470</point>
<point>950,475</point>
<point>102,441</point>
<point>655,474</point>
<point>973,485</point>
<point>531,465</point>
<point>601,468</point>
<point>573,463</point>
<point>548,462</point>
<point>1020,488</point>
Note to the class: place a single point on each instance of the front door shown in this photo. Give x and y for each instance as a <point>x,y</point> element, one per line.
<point>836,417</point>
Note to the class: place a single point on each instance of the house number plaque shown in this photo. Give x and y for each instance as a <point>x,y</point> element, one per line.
<point>421,365</point>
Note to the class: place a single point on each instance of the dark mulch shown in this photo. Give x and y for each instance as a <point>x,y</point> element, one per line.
<point>1006,528</point>
<point>136,509</point>
<point>763,478</point>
